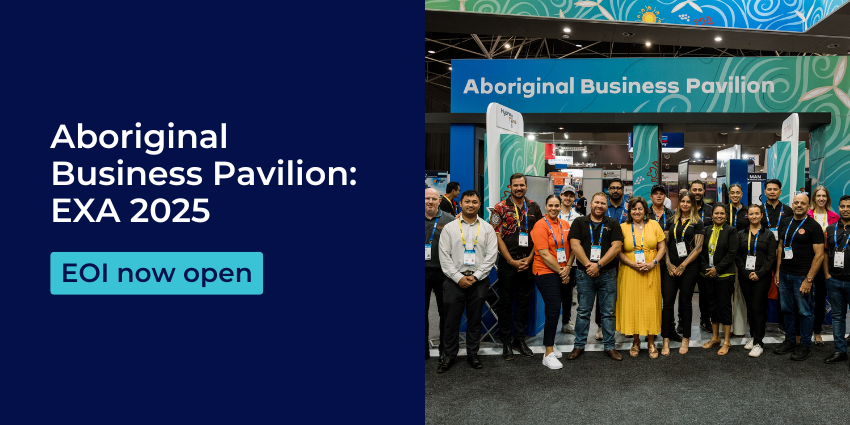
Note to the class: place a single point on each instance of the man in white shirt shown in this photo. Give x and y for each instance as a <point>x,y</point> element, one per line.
<point>468,250</point>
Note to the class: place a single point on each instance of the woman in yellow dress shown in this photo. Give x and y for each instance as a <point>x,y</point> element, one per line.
<point>639,280</point>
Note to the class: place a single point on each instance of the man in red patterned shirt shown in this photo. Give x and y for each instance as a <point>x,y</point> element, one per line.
<point>513,219</point>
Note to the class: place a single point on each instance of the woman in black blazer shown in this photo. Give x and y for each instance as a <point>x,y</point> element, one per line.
<point>756,259</point>
<point>717,265</point>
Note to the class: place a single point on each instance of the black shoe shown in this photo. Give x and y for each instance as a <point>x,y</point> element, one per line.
<point>801,353</point>
<point>520,346</point>
<point>836,357</point>
<point>705,326</point>
<point>473,361</point>
<point>679,329</point>
<point>446,365</point>
<point>785,348</point>
<point>676,337</point>
<point>507,353</point>
<point>442,356</point>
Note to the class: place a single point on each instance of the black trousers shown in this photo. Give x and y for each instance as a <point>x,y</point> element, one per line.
<point>683,286</point>
<point>819,285</point>
<point>550,287</point>
<point>513,285</point>
<point>455,300</point>
<point>721,289</point>
<point>755,296</point>
<point>567,297</point>
<point>707,303</point>
<point>434,278</point>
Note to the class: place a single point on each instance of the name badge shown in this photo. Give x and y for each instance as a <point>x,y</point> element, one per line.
<point>427,251</point>
<point>639,257</point>
<point>469,257</point>
<point>788,253</point>
<point>710,260</point>
<point>523,239</point>
<point>562,255</point>
<point>839,259</point>
<point>595,252</point>
<point>775,232</point>
<point>683,252</point>
<point>751,262</point>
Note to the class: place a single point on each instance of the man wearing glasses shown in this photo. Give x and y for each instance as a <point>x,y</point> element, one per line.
<point>616,206</point>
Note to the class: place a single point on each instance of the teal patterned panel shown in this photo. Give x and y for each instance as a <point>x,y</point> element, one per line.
<point>779,167</point>
<point>518,155</point>
<point>645,148</point>
<point>776,15</point>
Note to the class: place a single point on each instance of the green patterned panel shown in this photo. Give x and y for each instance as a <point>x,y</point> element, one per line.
<point>779,167</point>
<point>518,155</point>
<point>645,149</point>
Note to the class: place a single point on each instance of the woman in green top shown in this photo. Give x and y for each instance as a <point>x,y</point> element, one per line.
<point>717,264</point>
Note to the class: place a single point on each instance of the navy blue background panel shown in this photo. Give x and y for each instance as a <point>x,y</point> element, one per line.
<point>332,336</point>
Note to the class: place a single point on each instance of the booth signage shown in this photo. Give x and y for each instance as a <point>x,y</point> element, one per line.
<point>561,160</point>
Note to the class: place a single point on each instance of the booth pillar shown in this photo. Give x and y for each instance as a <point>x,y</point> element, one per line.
<point>646,144</point>
<point>462,156</point>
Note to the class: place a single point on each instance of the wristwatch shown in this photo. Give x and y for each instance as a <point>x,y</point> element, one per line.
<point>655,262</point>
<point>808,279</point>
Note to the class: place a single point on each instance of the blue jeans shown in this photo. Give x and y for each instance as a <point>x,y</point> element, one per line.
<point>605,287</point>
<point>797,308</point>
<point>839,297</point>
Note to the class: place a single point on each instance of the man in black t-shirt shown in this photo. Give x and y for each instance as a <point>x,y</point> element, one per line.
<point>837,274</point>
<point>774,212</point>
<point>596,240</point>
<point>447,201</point>
<point>800,256</point>
<point>581,203</point>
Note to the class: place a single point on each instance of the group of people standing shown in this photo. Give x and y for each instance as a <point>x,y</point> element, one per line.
<point>634,260</point>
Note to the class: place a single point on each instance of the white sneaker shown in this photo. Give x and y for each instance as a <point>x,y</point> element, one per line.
<point>756,351</point>
<point>598,335</point>
<point>749,345</point>
<point>557,352</point>
<point>551,362</point>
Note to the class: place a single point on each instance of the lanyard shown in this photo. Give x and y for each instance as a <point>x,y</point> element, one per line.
<point>712,243</point>
<point>553,233</point>
<point>462,239</point>
<point>795,232</point>
<point>620,220</point>
<point>525,204</point>
<point>434,229</point>
<point>824,220</point>
<point>663,221</point>
<point>755,247</point>
<point>601,229</point>
<point>735,222</point>
<point>634,243</point>
<point>683,229</point>
<point>835,238</point>
<point>781,213</point>
<point>702,213</point>
<point>450,202</point>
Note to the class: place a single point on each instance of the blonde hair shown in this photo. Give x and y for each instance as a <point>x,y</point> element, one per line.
<point>813,204</point>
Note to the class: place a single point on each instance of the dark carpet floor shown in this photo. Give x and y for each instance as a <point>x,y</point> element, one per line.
<point>700,387</point>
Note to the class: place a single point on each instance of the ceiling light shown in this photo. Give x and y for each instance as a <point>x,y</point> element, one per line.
<point>697,155</point>
<point>578,45</point>
<point>566,135</point>
<point>531,137</point>
<point>717,39</point>
<point>648,44</point>
<point>431,52</point>
<point>450,68</point>
<point>737,128</point>
<point>703,175</point>
<point>507,46</point>
<point>560,128</point>
<point>584,154</point>
<point>566,30</point>
<point>714,174</point>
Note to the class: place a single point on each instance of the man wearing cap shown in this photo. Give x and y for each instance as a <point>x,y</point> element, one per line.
<point>569,213</point>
